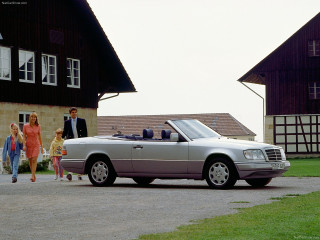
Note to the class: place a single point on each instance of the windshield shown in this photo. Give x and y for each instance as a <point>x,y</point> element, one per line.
<point>195,129</point>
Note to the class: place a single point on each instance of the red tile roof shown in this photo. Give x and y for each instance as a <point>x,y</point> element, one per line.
<point>223,123</point>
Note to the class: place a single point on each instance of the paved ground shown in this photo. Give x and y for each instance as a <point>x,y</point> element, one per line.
<point>49,209</point>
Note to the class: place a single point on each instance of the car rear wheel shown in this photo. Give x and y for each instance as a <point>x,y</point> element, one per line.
<point>220,173</point>
<point>101,173</point>
<point>259,182</point>
<point>143,180</point>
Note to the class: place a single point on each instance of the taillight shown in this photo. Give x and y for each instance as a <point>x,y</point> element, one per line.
<point>64,150</point>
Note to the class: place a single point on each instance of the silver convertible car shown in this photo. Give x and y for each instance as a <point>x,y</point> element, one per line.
<point>189,150</point>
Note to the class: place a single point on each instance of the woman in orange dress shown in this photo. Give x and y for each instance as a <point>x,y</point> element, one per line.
<point>32,142</point>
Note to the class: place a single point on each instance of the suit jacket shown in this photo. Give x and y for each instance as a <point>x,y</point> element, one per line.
<point>81,128</point>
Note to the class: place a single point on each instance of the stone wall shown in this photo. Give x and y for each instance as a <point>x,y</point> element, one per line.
<point>268,130</point>
<point>50,118</point>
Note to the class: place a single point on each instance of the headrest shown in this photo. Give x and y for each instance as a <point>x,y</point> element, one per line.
<point>165,134</point>
<point>147,133</point>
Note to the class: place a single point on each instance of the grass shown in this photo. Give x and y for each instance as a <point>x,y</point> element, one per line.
<point>47,172</point>
<point>285,196</point>
<point>309,167</point>
<point>292,216</point>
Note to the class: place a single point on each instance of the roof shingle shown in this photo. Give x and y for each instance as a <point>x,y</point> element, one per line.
<point>223,123</point>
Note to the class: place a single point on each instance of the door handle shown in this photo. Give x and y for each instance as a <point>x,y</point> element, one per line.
<point>138,146</point>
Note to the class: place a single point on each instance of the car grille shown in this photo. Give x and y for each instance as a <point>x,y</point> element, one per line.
<point>274,154</point>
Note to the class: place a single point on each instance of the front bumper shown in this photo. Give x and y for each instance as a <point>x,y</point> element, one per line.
<point>249,170</point>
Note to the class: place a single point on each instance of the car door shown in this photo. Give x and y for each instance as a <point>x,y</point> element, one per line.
<point>160,157</point>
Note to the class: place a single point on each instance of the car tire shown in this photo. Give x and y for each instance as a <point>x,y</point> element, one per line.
<point>101,173</point>
<point>259,182</point>
<point>220,173</point>
<point>143,180</point>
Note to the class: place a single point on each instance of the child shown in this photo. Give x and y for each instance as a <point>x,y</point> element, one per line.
<point>56,154</point>
<point>13,146</point>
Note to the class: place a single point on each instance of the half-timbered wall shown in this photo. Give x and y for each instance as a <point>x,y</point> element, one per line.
<point>297,134</point>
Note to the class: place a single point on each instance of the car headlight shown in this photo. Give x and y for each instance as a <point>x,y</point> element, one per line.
<point>254,154</point>
<point>283,155</point>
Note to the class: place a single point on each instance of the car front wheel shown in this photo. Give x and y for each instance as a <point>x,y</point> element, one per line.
<point>220,174</point>
<point>259,182</point>
<point>101,173</point>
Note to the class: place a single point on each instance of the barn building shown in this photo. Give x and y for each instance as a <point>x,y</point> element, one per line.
<point>291,75</point>
<point>54,55</point>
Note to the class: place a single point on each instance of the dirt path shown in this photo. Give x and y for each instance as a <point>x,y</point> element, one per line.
<point>49,209</point>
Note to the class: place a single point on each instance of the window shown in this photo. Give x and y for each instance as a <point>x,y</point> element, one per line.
<point>26,66</point>
<point>23,119</point>
<point>66,117</point>
<point>73,73</point>
<point>49,70</point>
<point>314,48</point>
<point>314,90</point>
<point>5,63</point>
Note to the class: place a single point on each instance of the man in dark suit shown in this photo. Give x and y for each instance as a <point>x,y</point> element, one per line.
<point>74,128</point>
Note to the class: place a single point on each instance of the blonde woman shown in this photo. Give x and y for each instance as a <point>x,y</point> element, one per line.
<point>13,146</point>
<point>32,143</point>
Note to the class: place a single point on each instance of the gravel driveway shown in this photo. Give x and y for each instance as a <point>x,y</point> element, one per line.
<point>49,209</point>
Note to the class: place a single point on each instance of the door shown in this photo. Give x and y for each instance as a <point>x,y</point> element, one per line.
<point>160,157</point>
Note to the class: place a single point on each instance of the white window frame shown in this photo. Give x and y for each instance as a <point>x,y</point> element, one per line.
<point>25,120</point>
<point>66,116</point>
<point>23,60</point>
<point>47,70</point>
<point>314,90</point>
<point>5,62</point>
<point>314,48</point>
<point>73,73</point>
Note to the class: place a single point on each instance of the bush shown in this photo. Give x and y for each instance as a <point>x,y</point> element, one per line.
<point>24,167</point>
<point>43,165</point>
<point>7,168</point>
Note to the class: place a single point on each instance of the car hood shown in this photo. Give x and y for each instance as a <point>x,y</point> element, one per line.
<point>241,144</point>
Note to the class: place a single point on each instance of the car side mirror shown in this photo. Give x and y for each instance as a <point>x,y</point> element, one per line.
<point>174,137</point>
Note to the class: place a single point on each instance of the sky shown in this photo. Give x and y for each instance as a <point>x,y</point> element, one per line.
<point>185,56</point>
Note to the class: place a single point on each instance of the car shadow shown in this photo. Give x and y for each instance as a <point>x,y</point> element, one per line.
<point>193,187</point>
<point>150,186</point>
<point>184,187</point>
<point>160,186</point>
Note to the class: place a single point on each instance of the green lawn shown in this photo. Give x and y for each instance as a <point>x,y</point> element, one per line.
<point>47,172</point>
<point>309,167</point>
<point>292,217</point>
